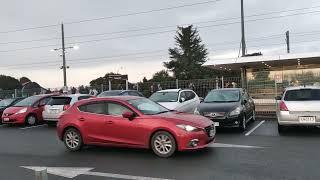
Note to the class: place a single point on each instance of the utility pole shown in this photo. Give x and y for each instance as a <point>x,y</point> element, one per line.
<point>288,41</point>
<point>243,39</point>
<point>64,67</point>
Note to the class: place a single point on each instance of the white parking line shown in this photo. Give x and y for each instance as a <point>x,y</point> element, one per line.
<point>30,127</point>
<point>221,145</point>
<point>256,127</point>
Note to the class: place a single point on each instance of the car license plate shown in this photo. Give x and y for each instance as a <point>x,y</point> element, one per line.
<point>307,119</point>
<point>6,119</point>
<point>211,133</point>
<point>216,124</point>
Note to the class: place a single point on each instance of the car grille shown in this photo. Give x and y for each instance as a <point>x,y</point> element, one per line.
<point>209,128</point>
<point>214,115</point>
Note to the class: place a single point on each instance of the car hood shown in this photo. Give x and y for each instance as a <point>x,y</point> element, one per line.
<point>217,107</point>
<point>12,110</point>
<point>169,105</point>
<point>187,119</point>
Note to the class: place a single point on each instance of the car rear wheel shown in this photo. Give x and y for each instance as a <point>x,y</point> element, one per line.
<point>31,120</point>
<point>72,139</point>
<point>163,144</point>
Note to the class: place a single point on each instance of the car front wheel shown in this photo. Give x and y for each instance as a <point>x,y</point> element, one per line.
<point>72,139</point>
<point>163,144</point>
<point>31,120</point>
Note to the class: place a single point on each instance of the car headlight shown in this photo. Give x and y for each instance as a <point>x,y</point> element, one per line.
<point>188,127</point>
<point>196,111</point>
<point>235,112</point>
<point>22,111</point>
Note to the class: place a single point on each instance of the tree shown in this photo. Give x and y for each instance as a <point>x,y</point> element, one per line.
<point>9,83</point>
<point>161,76</point>
<point>189,54</point>
<point>24,80</point>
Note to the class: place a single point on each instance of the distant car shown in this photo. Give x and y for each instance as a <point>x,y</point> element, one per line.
<point>121,93</point>
<point>128,121</point>
<point>5,103</point>
<point>299,106</point>
<point>177,99</point>
<point>58,104</point>
<point>229,107</point>
<point>28,111</point>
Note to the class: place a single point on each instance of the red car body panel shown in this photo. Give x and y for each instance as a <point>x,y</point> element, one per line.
<point>20,118</point>
<point>98,129</point>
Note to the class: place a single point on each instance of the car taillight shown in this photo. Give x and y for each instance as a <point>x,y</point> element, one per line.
<point>283,106</point>
<point>65,107</point>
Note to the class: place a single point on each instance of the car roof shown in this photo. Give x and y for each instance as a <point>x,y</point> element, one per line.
<point>228,89</point>
<point>302,87</point>
<point>73,95</point>
<point>123,98</point>
<point>169,90</point>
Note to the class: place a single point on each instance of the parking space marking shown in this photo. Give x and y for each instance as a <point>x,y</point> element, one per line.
<point>221,145</point>
<point>30,127</point>
<point>256,127</point>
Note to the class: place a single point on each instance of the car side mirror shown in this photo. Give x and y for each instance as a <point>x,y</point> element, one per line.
<point>182,99</point>
<point>128,115</point>
<point>278,98</point>
<point>201,99</point>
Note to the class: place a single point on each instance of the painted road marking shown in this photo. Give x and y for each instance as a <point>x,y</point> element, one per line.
<point>256,127</point>
<point>221,145</point>
<point>72,172</point>
<point>30,127</point>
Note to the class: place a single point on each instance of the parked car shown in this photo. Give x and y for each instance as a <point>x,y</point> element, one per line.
<point>230,107</point>
<point>5,103</point>
<point>299,106</point>
<point>135,122</point>
<point>58,104</point>
<point>177,99</point>
<point>120,93</point>
<point>28,111</point>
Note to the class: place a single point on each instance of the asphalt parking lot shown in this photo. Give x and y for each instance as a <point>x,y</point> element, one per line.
<point>258,153</point>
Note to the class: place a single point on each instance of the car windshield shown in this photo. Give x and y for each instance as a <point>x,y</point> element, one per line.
<point>223,96</point>
<point>109,93</point>
<point>28,101</point>
<point>147,106</point>
<point>6,102</point>
<point>164,97</point>
<point>59,101</point>
<point>302,95</point>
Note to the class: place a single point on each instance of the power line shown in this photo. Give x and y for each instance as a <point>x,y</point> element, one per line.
<point>144,12</point>
<point>30,28</point>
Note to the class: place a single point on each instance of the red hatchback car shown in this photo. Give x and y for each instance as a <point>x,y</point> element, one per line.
<point>27,111</point>
<point>136,122</point>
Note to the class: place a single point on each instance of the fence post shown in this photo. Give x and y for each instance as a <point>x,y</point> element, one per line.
<point>41,174</point>
<point>137,86</point>
<point>109,85</point>
<point>177,83</point>
<point>127,84</point>
<point>222,82</point>
<point>217,83</point>
<point>102,88</point>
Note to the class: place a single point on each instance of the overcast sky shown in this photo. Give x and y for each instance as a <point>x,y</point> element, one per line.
<point>150,50</point>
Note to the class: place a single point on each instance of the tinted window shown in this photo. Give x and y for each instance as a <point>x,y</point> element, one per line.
<point>183,95</point>
<point>96,108</point>
<point>83,97</point>
<point>223,96</point>
<point>164,97</point>
<point>133,93</point>
<point>45,100</point>
<point>59,101</point>
<point>146,106</point>
<point>117,109</point>
<point>28,101</point>
<point>302,95</point>
<point>190,95</point>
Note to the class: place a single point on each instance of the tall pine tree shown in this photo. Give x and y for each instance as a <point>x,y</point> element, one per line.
<point>187,58</point>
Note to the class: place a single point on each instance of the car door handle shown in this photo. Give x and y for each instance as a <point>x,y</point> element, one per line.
<point>82,119</point>
<point>109,122</point>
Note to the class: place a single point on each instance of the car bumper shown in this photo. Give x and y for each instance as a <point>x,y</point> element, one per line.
<point>289,119</point>
<point>13,119</point>
<point>228,121</point>
<point>50,116</point>
<point>194,140</point>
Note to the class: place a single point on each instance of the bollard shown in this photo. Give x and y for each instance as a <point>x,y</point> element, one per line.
<point>41,174</point>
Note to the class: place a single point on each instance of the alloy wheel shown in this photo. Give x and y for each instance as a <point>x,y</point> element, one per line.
<point>31,120</point>
<point>163,144</point>
<point>73,140</point>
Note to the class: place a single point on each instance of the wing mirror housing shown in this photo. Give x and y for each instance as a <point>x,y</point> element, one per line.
<point>128,115</point>
<point>182,100</point>
<point>201,99</point>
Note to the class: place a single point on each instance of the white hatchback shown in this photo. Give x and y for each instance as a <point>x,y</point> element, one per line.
<point>58,104</point>
<point>177,99</point>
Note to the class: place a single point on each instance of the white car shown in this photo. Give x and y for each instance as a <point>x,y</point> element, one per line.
<point>58,104</point>
<point>177,99</point>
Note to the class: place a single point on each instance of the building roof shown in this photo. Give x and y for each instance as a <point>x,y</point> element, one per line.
<point>265,61</point>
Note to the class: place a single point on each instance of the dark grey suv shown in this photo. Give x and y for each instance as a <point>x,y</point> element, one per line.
<point>231,107</point>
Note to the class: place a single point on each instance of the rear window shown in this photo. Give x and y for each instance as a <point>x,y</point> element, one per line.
<point>302,95</point>
<point>59,101</point>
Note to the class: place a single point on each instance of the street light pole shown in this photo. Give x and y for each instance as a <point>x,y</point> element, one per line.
<point>243,39</point>
<point>64,67</point>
